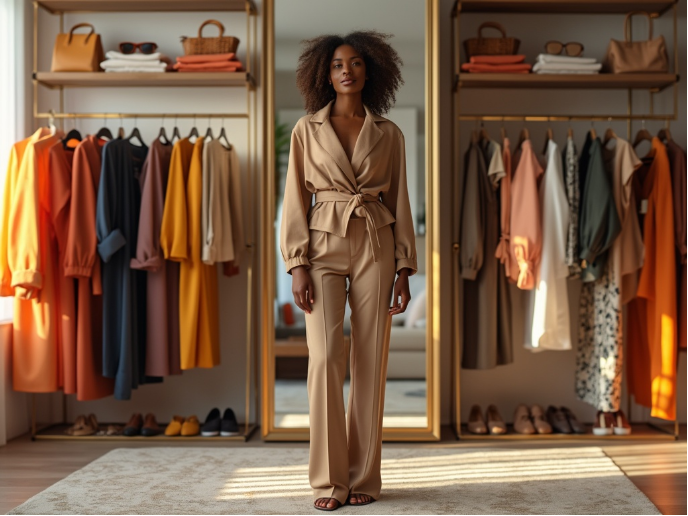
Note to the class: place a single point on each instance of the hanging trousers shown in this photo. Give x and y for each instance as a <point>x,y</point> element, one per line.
<point>345,451</point>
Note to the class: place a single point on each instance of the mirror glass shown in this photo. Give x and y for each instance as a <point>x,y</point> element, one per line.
<point>405,401</point>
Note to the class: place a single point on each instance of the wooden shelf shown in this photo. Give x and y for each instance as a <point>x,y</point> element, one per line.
<point>58,6</point>
<point>565,6</point>
<point>56,433</point>
<point>574,81</point>
<point>143,79</point>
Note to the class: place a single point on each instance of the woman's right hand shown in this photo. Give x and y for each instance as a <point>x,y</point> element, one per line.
<point>302,288</point>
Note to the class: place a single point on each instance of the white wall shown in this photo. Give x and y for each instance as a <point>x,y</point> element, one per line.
<point>548,378</point>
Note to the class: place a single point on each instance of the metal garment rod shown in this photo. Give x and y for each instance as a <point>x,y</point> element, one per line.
<point>564,118</point>
<point>140,115</point>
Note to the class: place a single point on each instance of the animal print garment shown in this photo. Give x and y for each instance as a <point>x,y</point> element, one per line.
<point>573,194</point>
<point>599,357</point>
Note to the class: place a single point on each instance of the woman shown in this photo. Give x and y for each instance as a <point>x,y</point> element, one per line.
<point>352,161</point>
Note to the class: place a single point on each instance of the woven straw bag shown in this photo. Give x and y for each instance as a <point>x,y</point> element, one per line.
<point>481,46</point>
<point>219,45</point>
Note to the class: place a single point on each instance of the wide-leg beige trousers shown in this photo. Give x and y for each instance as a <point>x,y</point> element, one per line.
<point>345,451</point>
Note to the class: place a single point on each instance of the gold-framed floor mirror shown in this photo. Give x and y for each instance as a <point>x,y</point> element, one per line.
<point>412,401</point>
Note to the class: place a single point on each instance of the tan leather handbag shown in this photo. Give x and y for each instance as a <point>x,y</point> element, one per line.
<point>78,52</point>
<point>628,56</point>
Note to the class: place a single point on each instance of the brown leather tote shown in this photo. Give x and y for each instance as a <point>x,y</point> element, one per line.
<point>628,56</point>
<point>78,52</point>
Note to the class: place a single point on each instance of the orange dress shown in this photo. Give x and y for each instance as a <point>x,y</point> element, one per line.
<point>82,262</point>
<point>32,259</point>
<point>652,315</point>
<point>60,167</point>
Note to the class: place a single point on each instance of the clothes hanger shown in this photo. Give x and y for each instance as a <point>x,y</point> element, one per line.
<point>549,135</point>
<point>524,135</point>
<point>664,133</point>
<point>72,138</point>
<point>104,133</point>
<point>593,133</point>
<point>642,135</point>
<point>194,131</point>
<point>502,131</point>
<point>209,132</point>
<point>569,131</point>
<point>51,122</point>
<point>223,134</point>
<point>609,134</point>
<point>136,134</point>
<point>483,135</point>
<point>162,135</point>
<point>120,131</point>
<point>175,132</point>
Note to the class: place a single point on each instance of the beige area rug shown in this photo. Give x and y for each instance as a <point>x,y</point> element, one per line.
<point>274,480</point>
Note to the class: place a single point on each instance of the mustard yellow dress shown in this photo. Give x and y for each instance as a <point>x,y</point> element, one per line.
<point>180,240</point>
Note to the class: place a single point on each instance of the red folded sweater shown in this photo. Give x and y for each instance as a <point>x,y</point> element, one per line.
<point>494,60</point>
<point>486,68</point>
<point>205,58</point>
<point>217,65</point>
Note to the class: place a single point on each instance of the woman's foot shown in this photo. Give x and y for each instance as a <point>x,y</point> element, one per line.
<point>327,504</point>
<point>360,499</point>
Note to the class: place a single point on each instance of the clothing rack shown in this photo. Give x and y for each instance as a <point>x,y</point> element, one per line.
<point>231,80</point>
<point>652,84</point>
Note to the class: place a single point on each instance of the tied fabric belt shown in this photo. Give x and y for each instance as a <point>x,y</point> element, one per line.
<point>355,204</point>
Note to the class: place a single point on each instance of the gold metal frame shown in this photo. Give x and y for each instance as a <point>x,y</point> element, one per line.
<point>669,431</point>
<point>432,248</point>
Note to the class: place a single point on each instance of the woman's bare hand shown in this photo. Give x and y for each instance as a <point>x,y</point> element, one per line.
<point>302,288</point>
<point>401,290</point>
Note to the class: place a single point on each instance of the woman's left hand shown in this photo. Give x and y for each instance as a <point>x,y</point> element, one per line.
<point>401,290</point>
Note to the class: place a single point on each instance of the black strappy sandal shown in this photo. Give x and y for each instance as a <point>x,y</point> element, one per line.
<point>360,503</point>
<point>328,508</point>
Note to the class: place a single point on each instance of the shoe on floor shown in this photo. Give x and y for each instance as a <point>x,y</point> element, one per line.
<point>229,425</point>
<point>522,422</point>
<point>79,427</point>
<point>150,426</point>
<point>576,426</point>
<point>476,422</point>
<point>539,421</point>
<point>495,423</point>
<point>621,424</point>
<point>558,421</point>
<point>175,426</point>
<point>212,424</point>
<point>133,427</point>
<point>604,423</point>
<point>191,426</point>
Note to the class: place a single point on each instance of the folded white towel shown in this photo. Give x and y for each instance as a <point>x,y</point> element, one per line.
<point>135,69</point>
<point>120,63</point>
<point>112,54</point>
<point>551,58</point>
<point>566,72</point>
<point>567,67</point>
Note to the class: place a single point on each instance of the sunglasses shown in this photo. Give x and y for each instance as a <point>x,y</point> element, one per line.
<point>145,48</point>
<point>572,49</point>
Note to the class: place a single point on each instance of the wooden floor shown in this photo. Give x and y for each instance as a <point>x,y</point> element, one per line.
<point>657,468</point>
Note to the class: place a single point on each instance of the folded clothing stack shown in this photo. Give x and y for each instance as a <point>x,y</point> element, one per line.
<point>497,64</point>
<point>208,63</point>
<point>118,62</point>
<point>548,63</point>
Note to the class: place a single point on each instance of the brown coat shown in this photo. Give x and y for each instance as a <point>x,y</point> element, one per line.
<point>162,279</point>
<point>371,185</point>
